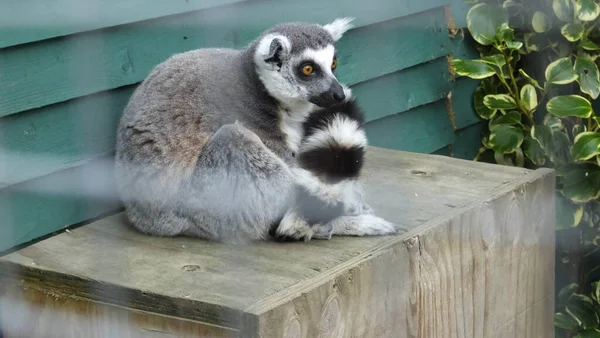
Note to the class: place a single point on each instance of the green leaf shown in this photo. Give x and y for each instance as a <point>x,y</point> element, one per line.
<point>503,159</point>
<point>529,97</point>
<point>495,60</point>
<point>587,10</point>
<point>481,109</point>
<point>580,181</point>
<point>534,151</point>
<point>533,42</point>
<point>578,129</point>
<point>540,22</point>
<point>563,10</point>
<point>505,33</point>
<point>553,122</point>
<point>582,309</point>
<point>568,214</point>
<point>589,45</point>
<point>505,139</point>
<point>569,105</point>
<point>511,118</point>
<point>572,31</point>
<point>555,144</point>
<point>490,86</point>
<point>564,49</point>
<point>499,101</point>
<point>564,321</point>
<point>474,69</point>
<point>514,44</point>
<point>596,291</point>
<point>519,157</point>
<point>532,80</point>
<point>512,7</point>
<point>562,146</point>
<point>560,71</point>
<point>543,135</point>
<point>591,333</point>
<point>567,291</point>
<point>588,76</point>
<point>483,21</point>
<point>586,146</point>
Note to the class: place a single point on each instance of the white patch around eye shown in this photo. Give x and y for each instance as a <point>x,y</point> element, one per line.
<point>281,89</point>
<point>323,57</point>
<point>341,131</point>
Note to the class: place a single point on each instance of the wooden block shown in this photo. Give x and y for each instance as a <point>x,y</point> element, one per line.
<point>475,259</point>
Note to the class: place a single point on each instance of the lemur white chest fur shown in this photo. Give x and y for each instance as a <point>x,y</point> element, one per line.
<point>291,122</point>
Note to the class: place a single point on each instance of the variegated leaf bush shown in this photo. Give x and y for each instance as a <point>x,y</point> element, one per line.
<point>547,117</point>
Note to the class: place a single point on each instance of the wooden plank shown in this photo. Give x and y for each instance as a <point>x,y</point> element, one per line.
<point>39,207</point>
<point>28,310</point>
<point>393,45</point>
<point>462,102</point>
<point>459,10</point>
<point>444,151</point>
<point>483,270</point>
<point>468,141</point>
<point>51,71</point>
<point>216,281</point>
<point>424,129</point>
<point>43,141</point>
<point>29,21</point>
<point>399,92</point>
<point>63,135</point>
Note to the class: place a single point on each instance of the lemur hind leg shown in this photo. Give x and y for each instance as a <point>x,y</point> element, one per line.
<point>239,187</point>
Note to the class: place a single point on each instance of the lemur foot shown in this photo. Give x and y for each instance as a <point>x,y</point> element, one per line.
<point>363,225</point>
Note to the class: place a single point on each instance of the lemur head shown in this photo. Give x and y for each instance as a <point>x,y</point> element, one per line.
<point>297,61</point>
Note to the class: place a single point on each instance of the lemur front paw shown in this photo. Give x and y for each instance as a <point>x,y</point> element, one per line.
<point>292,227</point>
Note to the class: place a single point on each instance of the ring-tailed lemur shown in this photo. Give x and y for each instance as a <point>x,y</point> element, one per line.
<point>329,197</point>
<point>203,145</point>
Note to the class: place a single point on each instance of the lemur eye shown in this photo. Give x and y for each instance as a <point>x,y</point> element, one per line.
<point>307,70</point>
<point>334,64</point>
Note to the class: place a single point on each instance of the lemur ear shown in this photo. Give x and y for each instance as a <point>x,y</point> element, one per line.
<point>274,49</point>
<point>338,27</point>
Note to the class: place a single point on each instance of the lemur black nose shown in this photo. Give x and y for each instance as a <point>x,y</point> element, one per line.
<point>337,91</point>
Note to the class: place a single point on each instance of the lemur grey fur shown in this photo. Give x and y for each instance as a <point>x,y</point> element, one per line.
<point>204,145</point>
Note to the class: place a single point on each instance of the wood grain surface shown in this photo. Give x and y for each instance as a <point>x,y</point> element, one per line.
<point>470,243</point>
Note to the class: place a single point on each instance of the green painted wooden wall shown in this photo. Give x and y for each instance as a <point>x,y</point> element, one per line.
<point>67,70</point>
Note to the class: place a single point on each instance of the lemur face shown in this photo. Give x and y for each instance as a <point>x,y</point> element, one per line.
<point>297,63</point>
<point>314,76</point>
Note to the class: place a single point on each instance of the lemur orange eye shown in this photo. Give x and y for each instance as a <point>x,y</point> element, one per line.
<point>307,70</point>
<point>334,64</point>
